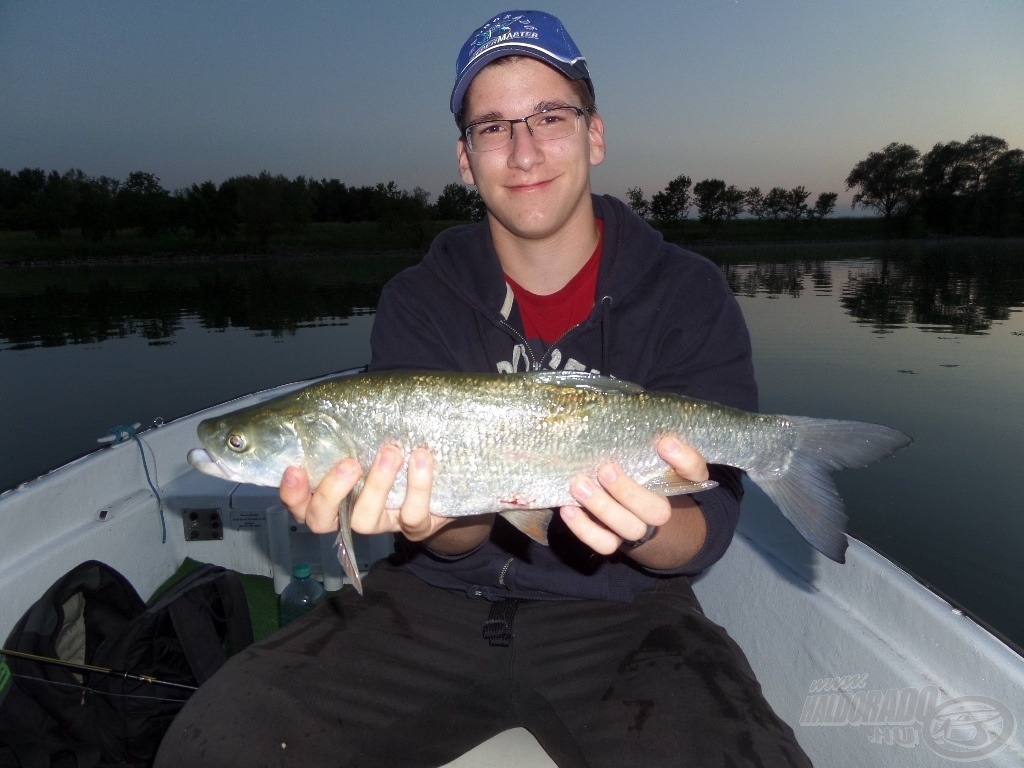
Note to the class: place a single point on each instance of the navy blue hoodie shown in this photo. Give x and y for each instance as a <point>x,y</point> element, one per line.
<point>665,319</point>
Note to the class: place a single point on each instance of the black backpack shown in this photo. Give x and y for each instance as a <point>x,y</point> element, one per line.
<point>53,716</point>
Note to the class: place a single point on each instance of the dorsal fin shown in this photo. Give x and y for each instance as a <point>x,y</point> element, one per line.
<point>594,382</point>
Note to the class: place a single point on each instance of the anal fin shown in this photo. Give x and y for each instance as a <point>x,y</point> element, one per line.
<point>533,522</point>
<point>669,483</point>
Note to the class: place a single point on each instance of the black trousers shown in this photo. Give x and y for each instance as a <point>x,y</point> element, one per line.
<point>404,677</point>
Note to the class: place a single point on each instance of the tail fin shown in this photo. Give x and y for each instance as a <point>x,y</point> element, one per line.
<point>805,491</point>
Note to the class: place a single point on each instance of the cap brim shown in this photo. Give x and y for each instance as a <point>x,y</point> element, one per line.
<point>572,71</point>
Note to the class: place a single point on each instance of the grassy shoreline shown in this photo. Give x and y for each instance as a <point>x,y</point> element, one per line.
<point>365,238</point>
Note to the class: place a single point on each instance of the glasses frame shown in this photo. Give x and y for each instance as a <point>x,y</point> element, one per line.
<point>580,112</point>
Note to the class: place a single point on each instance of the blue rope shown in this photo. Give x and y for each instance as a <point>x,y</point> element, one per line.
<point>122,433</point>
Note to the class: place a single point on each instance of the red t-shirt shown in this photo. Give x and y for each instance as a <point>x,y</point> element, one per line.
<point>548,317</point>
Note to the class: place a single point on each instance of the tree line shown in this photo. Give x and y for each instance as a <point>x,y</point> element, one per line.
<point>259,206</point>
<point>717,202</point>
<point>975,187</point>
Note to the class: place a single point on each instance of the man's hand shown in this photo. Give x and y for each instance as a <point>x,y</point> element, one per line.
<point>617,509</point>
<point>370,514</point>
<point>319,510</point>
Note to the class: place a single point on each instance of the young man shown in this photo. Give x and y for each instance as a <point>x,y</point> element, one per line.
<point>596,644</point>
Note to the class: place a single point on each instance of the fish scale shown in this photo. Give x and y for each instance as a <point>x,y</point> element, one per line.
<point>511,444</point>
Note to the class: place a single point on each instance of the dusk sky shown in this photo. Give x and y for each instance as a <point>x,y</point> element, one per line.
<point>755,92</point>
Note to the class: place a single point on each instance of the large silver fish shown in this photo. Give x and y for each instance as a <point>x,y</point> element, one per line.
<point>511,443</point>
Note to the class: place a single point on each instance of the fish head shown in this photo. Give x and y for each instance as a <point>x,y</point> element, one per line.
<point>257,444</point>
<point>252,445</point>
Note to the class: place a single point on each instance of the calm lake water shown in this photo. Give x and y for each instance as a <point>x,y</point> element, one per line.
<point>925,337</point>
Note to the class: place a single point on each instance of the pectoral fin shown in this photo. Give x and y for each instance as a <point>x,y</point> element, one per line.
<point>346,552</point>
<point>669,483</point>
<point>532,522</point>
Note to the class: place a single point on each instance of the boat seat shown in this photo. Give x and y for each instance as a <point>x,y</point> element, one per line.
<point>515,748</point>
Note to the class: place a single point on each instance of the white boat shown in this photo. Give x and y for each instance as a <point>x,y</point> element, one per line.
<point>868,665</point>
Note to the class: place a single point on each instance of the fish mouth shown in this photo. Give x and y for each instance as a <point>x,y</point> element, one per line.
<point>201,460</point>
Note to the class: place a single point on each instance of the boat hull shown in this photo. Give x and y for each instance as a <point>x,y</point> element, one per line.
<point>817,633</point>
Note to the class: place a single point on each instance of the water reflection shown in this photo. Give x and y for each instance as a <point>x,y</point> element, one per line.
<point>961,289</point>
<point>51,308</point>
<point>960,293</point>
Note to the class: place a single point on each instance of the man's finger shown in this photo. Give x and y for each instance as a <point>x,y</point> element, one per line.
<point>414,517</point>
<point>640,506</point>
<point>684,459</point>
<point>294,492</point>
<point>590,531</point>
<point>368,510</point>
<point>322,509</point>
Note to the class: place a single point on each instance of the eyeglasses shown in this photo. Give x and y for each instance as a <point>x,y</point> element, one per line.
<point>548,125</point>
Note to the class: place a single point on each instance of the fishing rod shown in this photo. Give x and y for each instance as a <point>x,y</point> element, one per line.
<point>78,667</point>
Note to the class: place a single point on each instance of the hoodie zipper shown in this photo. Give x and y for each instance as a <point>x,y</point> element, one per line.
<point>504,571</point>
<point>536,365</point>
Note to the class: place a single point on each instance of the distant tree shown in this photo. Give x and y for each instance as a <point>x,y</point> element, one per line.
<point>144,204</point>
<point>26,186</point>
<point>753,201</point>
<point>982,152</point>
<point>397,210</point>
<point>8,197</point>
<point>96,213</point>
<point>672,203</point>
<point>776,203</point>
<point>330,199</point>
<point>717,202</point>
<point>362,202</point>
<point>953,180</point>
<point>823,206</point>
<point>733,202</point>
<point>796,203</point>
<point>53,207</point>
<point>944,182</point>
<point>211,211</point>
<point>640,205</point>
<point>457,202</point>
<point>269,205</point>
<point>1004,193</point>
<point>886,180</point>
<point>707,196</point>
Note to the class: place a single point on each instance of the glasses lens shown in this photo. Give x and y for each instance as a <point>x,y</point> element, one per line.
<point>494,134</point>
<point>554,123</point>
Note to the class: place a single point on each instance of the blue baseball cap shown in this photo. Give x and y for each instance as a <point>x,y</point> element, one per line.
<point>518,33</point>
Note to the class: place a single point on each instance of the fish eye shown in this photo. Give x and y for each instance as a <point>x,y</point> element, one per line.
<point>237,442</point>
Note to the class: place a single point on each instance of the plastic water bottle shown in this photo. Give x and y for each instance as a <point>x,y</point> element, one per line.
<point>302,595</point>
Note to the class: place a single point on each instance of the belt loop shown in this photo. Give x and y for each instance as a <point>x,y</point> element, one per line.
<point>498,627</point>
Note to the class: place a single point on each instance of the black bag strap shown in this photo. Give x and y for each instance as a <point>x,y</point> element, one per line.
<point>239,624</point>
<point>193,619</point>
